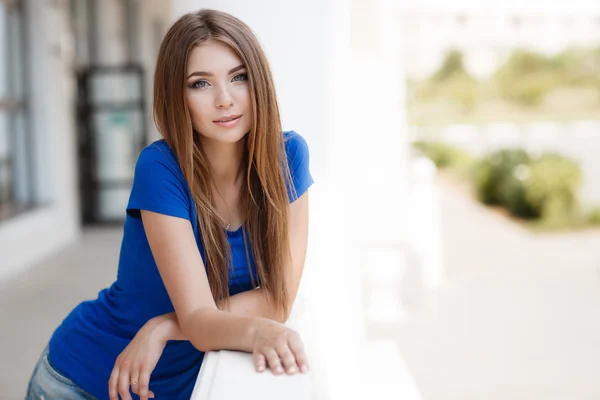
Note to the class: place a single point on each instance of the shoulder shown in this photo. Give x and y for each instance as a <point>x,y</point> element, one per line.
<point>296,146</point>
<point>158,183</point>
<point>157,163</point>
<point>297,154</point>
<point>158,156</point>
<point>157,151</point>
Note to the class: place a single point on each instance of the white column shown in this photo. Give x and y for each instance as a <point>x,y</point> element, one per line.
<point>110,34</point>
<point>155,18</point>
<point>380,148</point>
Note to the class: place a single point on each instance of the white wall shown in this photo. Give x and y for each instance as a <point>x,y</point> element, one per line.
<point>293,35</point>
<point>32,236</point>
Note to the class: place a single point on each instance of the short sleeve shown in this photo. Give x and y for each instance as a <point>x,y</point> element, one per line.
<point>299,164</point>
<point>158,185</point>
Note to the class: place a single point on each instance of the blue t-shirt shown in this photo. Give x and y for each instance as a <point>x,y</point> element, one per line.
<point>85,346</point>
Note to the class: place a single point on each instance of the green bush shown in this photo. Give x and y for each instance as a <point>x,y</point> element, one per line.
<point>546,187</point>
<point>494,176</point>
<point>552,188</point>
<point>444,155</point>
<point>513,193</point>
<point>594,217</point>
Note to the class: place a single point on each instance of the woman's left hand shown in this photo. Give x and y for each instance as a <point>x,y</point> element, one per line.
<point>135,364</point>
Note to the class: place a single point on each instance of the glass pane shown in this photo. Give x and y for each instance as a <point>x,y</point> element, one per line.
<point>15,54</point>
<point>4,146</point>
<point>22,159</point>
<point>15,159</point>
<point>112,203</point>
<point>117,144</point>
<point>118,136</point>
<point>115,87</point>
<point>4,78</point>
<point>5,166</point>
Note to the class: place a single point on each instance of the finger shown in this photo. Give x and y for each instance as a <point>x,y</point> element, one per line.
<point>273,360</point>
<point>112,384</point>
<point>143,385</point>
<point>124,385</point>
<point>287,358</point>
<point>260,362</point>
<point>298,349</point>
<point>134,382</point>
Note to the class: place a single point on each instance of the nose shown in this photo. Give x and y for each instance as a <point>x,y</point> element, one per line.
<point>223,99</point>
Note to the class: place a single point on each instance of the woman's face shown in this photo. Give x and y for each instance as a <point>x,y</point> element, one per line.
<point>218,93</point>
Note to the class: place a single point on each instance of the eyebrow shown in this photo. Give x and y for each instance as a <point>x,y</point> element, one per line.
<point>202,73</point>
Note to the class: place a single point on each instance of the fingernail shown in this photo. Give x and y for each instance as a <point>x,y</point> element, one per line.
<point>278,369</point>
<point>304,368</point>
<point>261,368</point>
<point>292,370</point>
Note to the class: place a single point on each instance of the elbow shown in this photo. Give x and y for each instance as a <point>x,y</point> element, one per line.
<point>191,327</point>
<point>283,315</point>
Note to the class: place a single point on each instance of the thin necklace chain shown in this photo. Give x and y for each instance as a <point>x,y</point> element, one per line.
<point>231,215</point>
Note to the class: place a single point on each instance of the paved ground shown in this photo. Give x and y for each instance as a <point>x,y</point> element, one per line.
<point>34,303</point>
<point>517,319</point>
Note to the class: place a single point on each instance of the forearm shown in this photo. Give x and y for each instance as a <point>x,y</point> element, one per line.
<point>252,303</point>
<point>212,329</point>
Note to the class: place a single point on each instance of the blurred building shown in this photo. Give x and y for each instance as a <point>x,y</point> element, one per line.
<point>74,113</point>
<point>487,31</point>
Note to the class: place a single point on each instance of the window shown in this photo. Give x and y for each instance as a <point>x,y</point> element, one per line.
<point>15,159</point>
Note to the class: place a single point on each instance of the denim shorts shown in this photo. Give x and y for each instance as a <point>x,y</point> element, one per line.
<point>48,384</point>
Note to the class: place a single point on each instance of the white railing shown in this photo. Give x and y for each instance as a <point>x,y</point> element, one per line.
<point>230,374</point>
<point>369,369</point>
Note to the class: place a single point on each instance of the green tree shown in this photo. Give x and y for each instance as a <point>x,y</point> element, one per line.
<point>527,77</point>
<point>452,67</point>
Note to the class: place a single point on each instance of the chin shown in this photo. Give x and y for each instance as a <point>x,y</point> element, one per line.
<point>226,135</point>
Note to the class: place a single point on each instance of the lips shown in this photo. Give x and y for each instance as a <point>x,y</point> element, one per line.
<point>228,118</point>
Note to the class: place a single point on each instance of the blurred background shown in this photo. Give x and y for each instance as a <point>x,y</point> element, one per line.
<point>455,221</point>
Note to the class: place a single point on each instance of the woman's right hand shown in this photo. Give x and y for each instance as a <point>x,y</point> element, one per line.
<point>136,362</point>
<point>279,348</point>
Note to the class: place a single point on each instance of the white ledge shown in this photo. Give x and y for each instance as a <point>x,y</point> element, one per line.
<point>231,375</point>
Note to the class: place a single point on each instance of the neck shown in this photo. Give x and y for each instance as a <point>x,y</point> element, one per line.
<point>225,161</point>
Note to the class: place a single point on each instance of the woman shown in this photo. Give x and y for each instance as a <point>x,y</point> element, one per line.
<point>214,238</point>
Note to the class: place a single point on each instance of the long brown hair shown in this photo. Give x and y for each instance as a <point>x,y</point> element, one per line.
<point>267,177</point>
